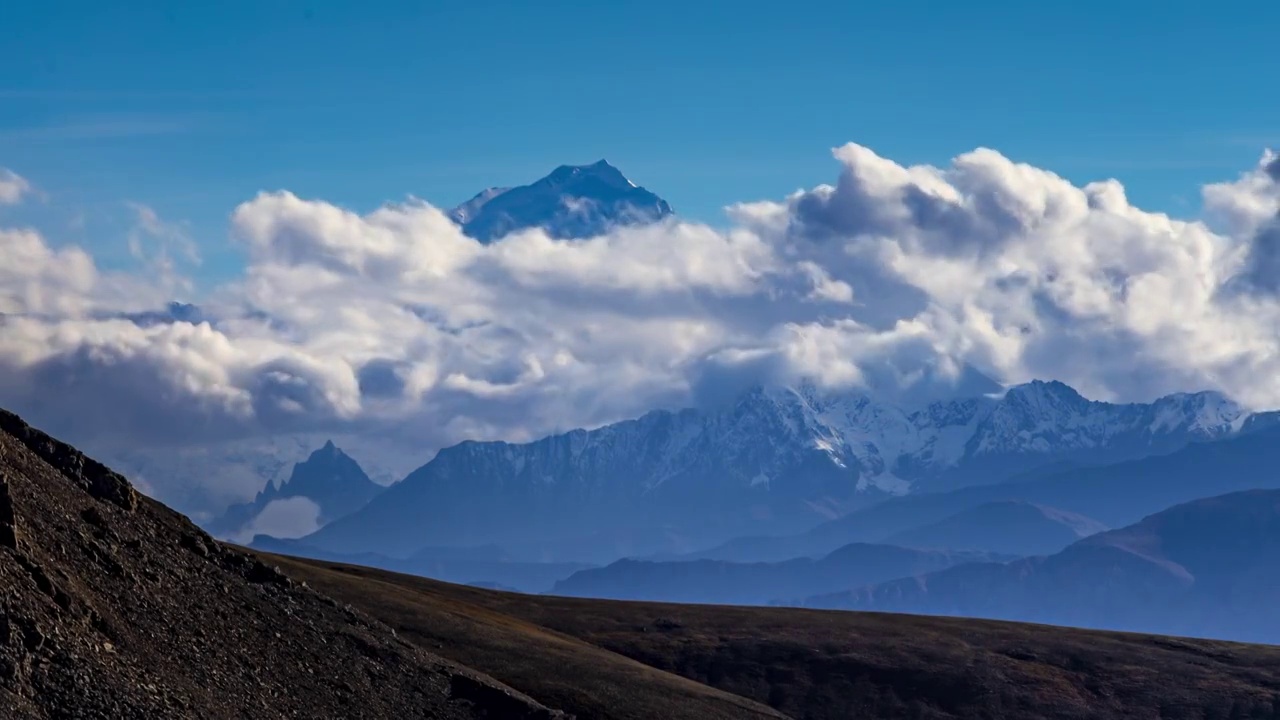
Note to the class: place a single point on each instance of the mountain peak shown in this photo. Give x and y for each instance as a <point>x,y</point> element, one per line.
<point>329,477</point>
<point>599,171</point>
<point>572,202</point>
<point>1052,387</point>
<point>1042,392</point>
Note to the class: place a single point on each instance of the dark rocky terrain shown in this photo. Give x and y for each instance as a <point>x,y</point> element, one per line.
<point>114,606</point>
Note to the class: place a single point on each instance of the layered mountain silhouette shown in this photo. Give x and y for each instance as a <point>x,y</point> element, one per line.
<point>329,478</point>
<point>774,461</point>
<point>1114,495</point>
<point>713,581</point>
<point>1011,527</point>
<point>574,201</point>
<point>115,606</point>
<point>1209,567</point>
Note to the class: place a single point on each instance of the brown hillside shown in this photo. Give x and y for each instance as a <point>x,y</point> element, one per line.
<point>113,606</point>
<point>820,664</point>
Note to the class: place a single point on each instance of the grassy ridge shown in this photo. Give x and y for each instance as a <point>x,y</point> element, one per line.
<point>565,672</point>
<point>573,654</point>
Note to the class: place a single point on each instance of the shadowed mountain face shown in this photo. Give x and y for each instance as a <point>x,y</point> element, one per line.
<point>115,606</point>
<point>572,202</point>
<point>1011,527</point>
<point>329,478</point>
<point>711,581</point>
<point>1206,568</point>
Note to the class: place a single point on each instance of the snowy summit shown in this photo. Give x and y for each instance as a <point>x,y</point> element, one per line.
<point>574,201</point>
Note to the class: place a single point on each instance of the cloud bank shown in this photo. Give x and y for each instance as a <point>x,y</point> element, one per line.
<point>287,518</point>
<point>895,279</point>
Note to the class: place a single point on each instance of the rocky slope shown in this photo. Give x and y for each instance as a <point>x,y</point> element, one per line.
<point>115,606</point>
<point>774,461</point>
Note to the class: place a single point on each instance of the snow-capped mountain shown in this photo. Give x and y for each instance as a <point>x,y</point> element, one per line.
<point>777,460</point>
<point>574,201</point>
<point>328,477</point>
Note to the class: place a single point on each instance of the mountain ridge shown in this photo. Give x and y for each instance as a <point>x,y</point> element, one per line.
<point>1201,568</point>
<point>775,460</point>
<point>1012,527</point>
<point>1115,495</point>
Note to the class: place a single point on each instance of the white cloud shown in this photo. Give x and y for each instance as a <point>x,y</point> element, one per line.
<point>286,518</point>
<point>395,324</point>
<point>36,279</point>
<point>166,249</point>
<point>13,187</point>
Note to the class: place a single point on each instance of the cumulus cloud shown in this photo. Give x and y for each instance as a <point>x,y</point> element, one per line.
<point>286,518</point>
<point>900,280</point>
<point>13,187</point>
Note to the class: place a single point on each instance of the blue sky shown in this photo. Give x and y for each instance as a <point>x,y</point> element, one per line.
<point>193,109</point>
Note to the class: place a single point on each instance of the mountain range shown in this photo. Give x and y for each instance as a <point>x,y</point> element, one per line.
<point>116,606</point>
<point>1114,495</point>
<point>1203,568</point>
<point>779,493</point>
<point>775,461</point>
